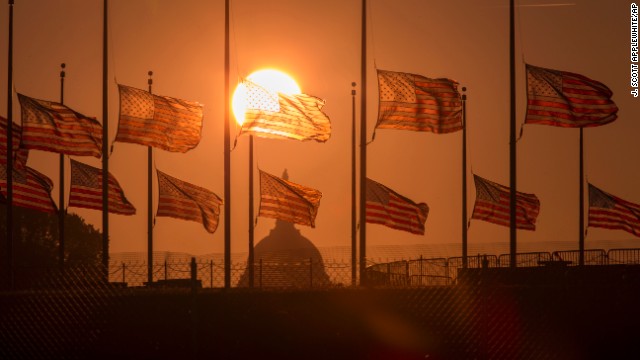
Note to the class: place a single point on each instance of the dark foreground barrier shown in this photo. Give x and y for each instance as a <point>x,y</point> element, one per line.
<point>495,314</point>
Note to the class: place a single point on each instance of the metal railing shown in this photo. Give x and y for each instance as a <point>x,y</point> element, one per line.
<point>302,274</point>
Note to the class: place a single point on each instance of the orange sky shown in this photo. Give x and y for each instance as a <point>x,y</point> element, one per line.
<point>318,43</point>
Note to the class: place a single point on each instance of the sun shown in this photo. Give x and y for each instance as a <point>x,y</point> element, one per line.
<point>272,80</point>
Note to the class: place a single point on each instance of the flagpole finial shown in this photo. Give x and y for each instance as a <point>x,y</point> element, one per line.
<point>150,81</point>
<point>353,91</point>
<point>62,66</point>
<point>464,96</point>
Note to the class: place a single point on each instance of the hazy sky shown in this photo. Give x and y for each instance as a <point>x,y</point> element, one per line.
<point>318,43</point>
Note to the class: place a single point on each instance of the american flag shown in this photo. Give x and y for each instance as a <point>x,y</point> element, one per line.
<point>565,99</point>
<point>284,200</point>
<point>387,207</point>
<point>31,189</point>
<point>417,103</point>
<point>159,121</point>
<point>86,190</point>
<point>493,205</point>
<point>50,126</point>
<point>281,116</point>
<point>20,155</point>
<point>181,200</point>
<point>611,212</point>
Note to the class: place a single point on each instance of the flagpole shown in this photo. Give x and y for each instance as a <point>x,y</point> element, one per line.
<point>251,227</point>
<point>10,151</point>
<point>581,204</point>
<point>464,178</point>
<point>353,187</point>
<point>61,211</point>
<point>227,155</point>
<point>105,145</point>
<point>149,202</point>
<point>512,141</point>
<point>363,146</point>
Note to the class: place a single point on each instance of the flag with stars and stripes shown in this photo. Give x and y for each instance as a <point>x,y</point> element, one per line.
<point>493,205</point>
<point>31,189</point>
<point>611,212</point>
<point>284,200</point>
<point>281,116</point>
<point>181,200</point>
<point>561,98</point>
<point>86,190</point>
<point>159,121</point>
<point>417,103</point>
<point>387,207</point>
<point>20,155</point>
<point>51,126</point>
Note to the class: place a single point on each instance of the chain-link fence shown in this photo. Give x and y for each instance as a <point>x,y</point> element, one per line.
<point>419,308</point>
<point>295,275</point>
<point>178,270</point>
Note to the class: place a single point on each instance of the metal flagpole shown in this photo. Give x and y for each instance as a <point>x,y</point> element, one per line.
<point>512,140</point>
<point>251,227</point>
<point>10,151</point>
<point>464,179</point>
<point>105,145</point>
<point>581,221</point>
<point>149,202</point>
<point>354,272</point>
<point>227,156</point>
<point>363,146</point>
<point>61,211</point>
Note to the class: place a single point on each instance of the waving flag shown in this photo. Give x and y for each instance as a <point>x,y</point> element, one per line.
<point>561,98</point>
<point>86,190</point>
<point>417,103</point>
<point>493,205</point>
<point>611,212</point>
<point>31,189</point>
<point>20,155</point>
<point>50,126</point>
<point>181,200</point>
<point>160,121</point>
<point>284,200</point>
<point>387,207</point>
<point>281,116</point>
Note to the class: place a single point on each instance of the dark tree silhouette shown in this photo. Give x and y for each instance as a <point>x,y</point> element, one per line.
<point>36,240</point>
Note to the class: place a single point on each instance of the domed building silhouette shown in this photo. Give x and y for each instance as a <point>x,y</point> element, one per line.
<point>286,259</point>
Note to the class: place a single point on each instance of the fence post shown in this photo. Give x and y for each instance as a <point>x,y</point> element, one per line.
<point>260,273</point>
<point>194,273</point>
<point>446,271</point>
<point>311,272</point>
<point>123,272</point>
<point>423,277</point>
<point>407,281</point>
<point>388,273</point>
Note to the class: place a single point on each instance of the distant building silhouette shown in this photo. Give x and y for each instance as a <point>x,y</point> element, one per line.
<point>286,259</point>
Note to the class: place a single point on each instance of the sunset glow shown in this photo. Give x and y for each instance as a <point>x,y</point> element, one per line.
<point>272,80</point>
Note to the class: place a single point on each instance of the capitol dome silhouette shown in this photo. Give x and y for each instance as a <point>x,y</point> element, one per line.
<point>286,259</point>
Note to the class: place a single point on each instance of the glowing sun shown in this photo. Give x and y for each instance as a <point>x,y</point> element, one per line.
<point>274,81</point>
